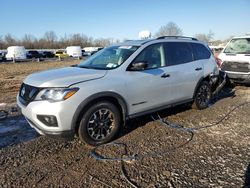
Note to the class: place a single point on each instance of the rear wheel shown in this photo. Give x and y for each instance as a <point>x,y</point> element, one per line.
<point>100,123</point>
<point>202,96</point>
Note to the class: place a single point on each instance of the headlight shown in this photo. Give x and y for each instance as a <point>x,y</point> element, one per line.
<point>56,94</point>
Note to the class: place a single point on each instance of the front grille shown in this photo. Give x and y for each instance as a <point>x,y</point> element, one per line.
<point>235,66</point>
<point>27,93</point>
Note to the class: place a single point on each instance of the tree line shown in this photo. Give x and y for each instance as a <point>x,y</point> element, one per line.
<point>51,41</point>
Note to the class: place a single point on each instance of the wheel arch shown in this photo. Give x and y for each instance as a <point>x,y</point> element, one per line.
<point>113,97</point>
<point>207,78</point>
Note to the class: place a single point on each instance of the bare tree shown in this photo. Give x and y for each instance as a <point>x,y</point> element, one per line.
<point>29,41</point>
<point>10,40</point>
<point>2,44</point>
<point>170,29</point>
<point>50,37</point>
<point>102,42</point>
<point>50,41</point>
<point>205,37</point>
<point>76,40</point>
<point>64,41</point>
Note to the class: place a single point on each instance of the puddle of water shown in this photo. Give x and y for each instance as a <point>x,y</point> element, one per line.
<point>5,129</point>
<point>14,130</point>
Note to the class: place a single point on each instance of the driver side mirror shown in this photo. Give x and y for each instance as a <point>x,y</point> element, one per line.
<point>138,66</point>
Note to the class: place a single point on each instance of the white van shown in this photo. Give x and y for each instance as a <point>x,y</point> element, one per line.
<point>16,52</point>
<point>74,51</point>
<point>235,59</point>
<point>91,50</point>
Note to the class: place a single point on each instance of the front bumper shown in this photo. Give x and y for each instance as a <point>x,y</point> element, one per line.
<point>238,77</point>
<point>58,109</point>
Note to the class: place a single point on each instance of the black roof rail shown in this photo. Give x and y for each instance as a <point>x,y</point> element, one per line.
<point>177,37</point>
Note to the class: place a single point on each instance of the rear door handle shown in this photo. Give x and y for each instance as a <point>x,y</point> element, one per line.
<point>165,75</point>
<point>198,69</point>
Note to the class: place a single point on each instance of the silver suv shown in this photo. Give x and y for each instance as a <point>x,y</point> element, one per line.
<point>94,99</point>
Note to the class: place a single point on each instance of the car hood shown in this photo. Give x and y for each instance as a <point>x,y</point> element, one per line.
<point>63,77</point>
<point>234,57</point>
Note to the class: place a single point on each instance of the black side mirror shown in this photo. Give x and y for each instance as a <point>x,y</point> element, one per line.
<point>138,66</point>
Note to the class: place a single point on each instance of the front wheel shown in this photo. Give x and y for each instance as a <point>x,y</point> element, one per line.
<point>100,123</point>
<point>202,96</point>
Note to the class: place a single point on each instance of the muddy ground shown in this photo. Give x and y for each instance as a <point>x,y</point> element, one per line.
<point>216,156</point>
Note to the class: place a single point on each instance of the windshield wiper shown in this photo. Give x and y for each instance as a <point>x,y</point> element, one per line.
<point>89,67</point>
<point>228,53</point>
<point>85,67</point>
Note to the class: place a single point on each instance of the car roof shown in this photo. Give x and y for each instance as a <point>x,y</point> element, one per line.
<point>242,37</point>
<point>166,38</point>
<point>134,42</point>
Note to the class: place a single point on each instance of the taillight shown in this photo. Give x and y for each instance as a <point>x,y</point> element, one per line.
<point>218,62</point>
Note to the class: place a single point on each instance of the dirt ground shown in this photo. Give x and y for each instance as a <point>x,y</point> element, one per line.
<point>217,155</point>
<point>12,75</point>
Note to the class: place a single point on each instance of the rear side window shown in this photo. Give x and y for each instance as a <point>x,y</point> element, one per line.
<point>200,51</point>
<point>178,53</point>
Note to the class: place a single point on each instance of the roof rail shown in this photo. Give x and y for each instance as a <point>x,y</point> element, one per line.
<point>177,37</point>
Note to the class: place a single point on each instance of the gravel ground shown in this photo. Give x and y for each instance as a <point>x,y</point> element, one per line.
<point>217,156</point>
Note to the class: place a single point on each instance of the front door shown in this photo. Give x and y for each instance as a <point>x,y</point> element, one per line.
<point>148,89</point>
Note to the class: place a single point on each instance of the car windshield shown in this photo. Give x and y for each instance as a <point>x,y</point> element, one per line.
<point>109,58</point>
<point>238,46</point>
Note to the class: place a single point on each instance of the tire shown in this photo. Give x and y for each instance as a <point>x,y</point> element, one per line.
<point>100,123</point>
<point>202,96</point>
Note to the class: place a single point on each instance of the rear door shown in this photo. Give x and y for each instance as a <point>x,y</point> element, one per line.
<point>183,69</point>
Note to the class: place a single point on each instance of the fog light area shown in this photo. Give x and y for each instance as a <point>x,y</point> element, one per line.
<point>48,120</point>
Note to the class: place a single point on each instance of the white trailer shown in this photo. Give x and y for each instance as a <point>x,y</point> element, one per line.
<point>91,50</point>
<point>16,53</point>
<point>144,35</point>
<point>74,51</point>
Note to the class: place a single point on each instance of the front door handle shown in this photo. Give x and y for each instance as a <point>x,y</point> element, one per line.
<point>165,75</point>
<point>198,69</point>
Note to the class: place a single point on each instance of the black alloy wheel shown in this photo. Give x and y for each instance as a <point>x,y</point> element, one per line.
<point>202,96</point>
<point>100,123</point>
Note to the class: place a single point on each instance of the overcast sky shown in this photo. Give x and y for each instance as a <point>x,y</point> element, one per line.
<point>123,19</point>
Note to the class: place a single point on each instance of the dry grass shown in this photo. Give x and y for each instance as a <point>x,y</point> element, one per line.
<point>12,75</point>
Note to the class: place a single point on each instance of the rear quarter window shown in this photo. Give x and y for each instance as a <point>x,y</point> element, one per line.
<point>200,51</point>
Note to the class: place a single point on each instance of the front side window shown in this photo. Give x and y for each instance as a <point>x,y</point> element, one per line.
<point>178,53</point>
<point>109,58</point>
<point>153,56</point>
<point>238,46</point>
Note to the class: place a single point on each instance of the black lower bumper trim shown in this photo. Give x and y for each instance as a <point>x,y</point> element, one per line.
<point>66,135</point>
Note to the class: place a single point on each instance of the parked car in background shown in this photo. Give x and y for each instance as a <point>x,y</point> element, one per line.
<point>2,56</point>
<point>95,98</point>
<point>61,54</point>
<point>47,54</point>
<point>16,52</point>
<point>216,50</point>
<point>83,52</point>
<point>235,59</point>
<point>33,54</point>
<point>91,50</point>
<point>74,51</point>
